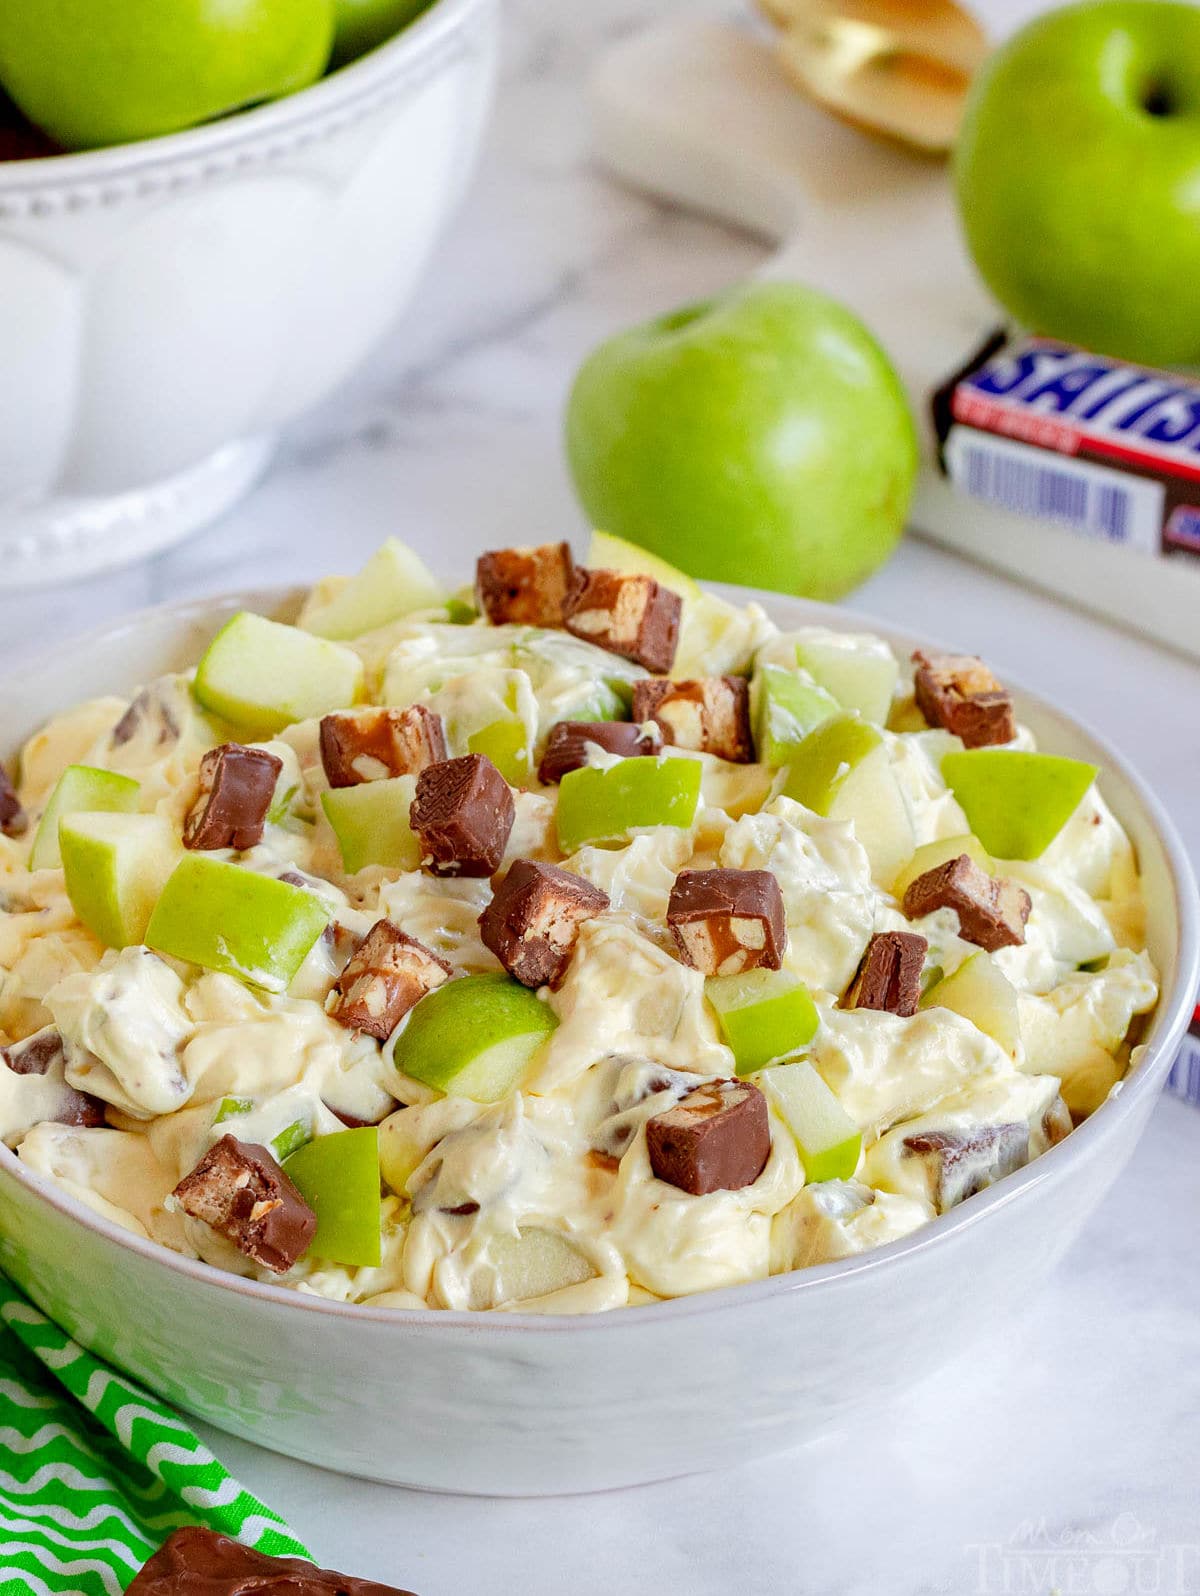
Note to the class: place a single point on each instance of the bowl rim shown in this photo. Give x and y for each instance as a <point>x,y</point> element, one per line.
<point>335,93</point>
<point>1174,1012</point>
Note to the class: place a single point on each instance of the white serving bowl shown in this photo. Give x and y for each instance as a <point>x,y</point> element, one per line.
<point>507,1404</point>
<point>166,307</point>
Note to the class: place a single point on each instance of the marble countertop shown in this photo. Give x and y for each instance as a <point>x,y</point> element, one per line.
<point>1062,1456</point>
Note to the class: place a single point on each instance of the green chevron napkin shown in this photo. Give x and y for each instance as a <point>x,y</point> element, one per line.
<point>95,1473</point>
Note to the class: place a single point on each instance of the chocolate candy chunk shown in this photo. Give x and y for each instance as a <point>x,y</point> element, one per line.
<point>236,788</point>
<point>360,745</point>
<point>711,716</point>
<point>463,814</point>
<point>38,1055</point>
<point>1057,1123</point>
<point>627,614</point>
<point>390,973</point>
<point>991,913</point>
<point>889,976</point>
<point>527,586</point>
<point>959,692</point>
<point>964,1162</point>
<point>150,714</point>
<point>727,921</point>
<point>566,748</point>
<point>200,1562</point>
<point>533,920</point>
<point>239,1189</point>
<point>13,819</point>
<point>717,1138</point>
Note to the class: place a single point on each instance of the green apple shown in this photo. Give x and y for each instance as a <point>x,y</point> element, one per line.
<point>116,866</point>
<point>608,804</point>
<point>842,771</point>
<point>830,1142</point>
<point>492,711</point>
<point>1016,802</point>
<point>262,676</point>
<point>90,72</point>
<point>370,822</point>
<point>859,670</point>
<point>227,918</point>
<point>394,582</point>
<point>474,1037</point>
<point>80,788</point>
<point>785,707</point>
<point>338,1177</point>
<point>931,854</point>
<point>535,1262</point>
<point>981,992</point>
<point>363,25</point>
<point>1078,178</point>
<point>762,437</point>
<point>292,1138</point>
<point>763,1015</point>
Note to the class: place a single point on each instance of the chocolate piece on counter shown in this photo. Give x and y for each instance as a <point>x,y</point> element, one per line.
<point>360,745</point>
<point>527,586</point>
<point>38,1055</point>
<point>991,913</point>
<point>710,716</point>
<point>149,709</point>
<point>463,814</point>
<point>200,1562</point>
<point>533,920</point>
<point>566,748</point>
<point>240,1190</point>
<point>627,614</point>
<point>390,973</point>
<point>237,785</point>
<point>889,977</point>
<point>717,1138</point>
<point>959,692</point>
<point>962,1163</point>
<point>13,819</point>
<point>727,921</point>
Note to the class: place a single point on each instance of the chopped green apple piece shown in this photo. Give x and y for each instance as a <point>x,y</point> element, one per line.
<point>474,1037</point>
<point>607,804</point>
<point>860,671</point>
<point>370,822</point>
<point>262,676</point>
<point>292,1138</point>
<point>234,1108</point>
<point>394,582</point>
<point>763,1014</point>
<point>338,1177</point>
<point>981,992</point>
<point>1017,802</point>
<point>786,707</point>
<point>116,866</point>
<point>932,854</point>
<point>80,788</point>
<point>227,918</point>
<point>610,553</point>
<point>830,1142</point>
<point>461,612</point>
<point>508,745</point>
<point>842,771</point>
<point>535,1262</point>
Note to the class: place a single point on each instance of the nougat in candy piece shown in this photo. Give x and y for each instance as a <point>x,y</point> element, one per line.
<point>13,819</point>
<point>960,693</point>
<point>237,786</point>
<point>359,745</point>
<point>566,747</point>
<point>241,1192</point>
<point>961,1163</point>
<point>463,814</point>
<point>525,586</point>
<point>717,1138</point>
<point>710,716</point>
<point>388,974</point>
<point>889,977</point>
<point>201,1562</point>
<point>532,923</point>
<point>628,614</point>
<point>728,921</point>
<point>991,912</point>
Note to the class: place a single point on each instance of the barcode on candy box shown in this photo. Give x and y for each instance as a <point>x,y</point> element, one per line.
<point>1184,1079</point>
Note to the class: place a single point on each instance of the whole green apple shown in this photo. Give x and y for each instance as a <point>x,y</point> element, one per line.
<point>762,437</point>
<point>95,72</point>
<point>1078,177</point>
<point>362,25</point>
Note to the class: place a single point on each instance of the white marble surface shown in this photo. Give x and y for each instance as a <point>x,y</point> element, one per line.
<point>1081,1425</point>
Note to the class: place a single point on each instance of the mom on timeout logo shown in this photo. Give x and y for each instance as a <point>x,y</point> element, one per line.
<point>1126,1559</point>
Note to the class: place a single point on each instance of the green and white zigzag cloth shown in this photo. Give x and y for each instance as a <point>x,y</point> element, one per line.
<point>95,1473</point>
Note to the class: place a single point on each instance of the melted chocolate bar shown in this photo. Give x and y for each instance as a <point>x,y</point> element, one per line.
<point>566,748</point>
<point>533,920</point>
<point>199,1562</point>
<point>991,913</point>
<point>710,716</point>
<point>717,1138</point>
<point>237,785</point>
<point>389,974</point>
<point>526,586</point>
<point>889,977</point>
<point>727,921</point>
<point>359,745</point>
<point>241,1192</point>
<point>628,614</point>
<point>463,813</point>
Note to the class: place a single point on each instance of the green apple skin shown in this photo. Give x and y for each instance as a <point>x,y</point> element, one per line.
<point>606,804</point>
<point>394,582</point>
<point>363,25</point>
<point>91,73</point>
<point>762,438</point>
<point>829,1141</point>
<point>1078,178</point>
<point>115,867</point>
<point>474,1037</point>
<point>80,788</point>
<point>370,822</point>
<point>861,672</point>
<point>262,676</point>
<point>1015,802</point>
<point>338,1177</point>
<point>842,771</point>
<point>786,708</point>
<point>763,1015</point>
<point>226,918</point>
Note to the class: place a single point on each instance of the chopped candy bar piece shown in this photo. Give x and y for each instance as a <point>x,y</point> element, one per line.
<point>237,785</point>
<point>239,1189</point>
<point>1057,1123</point>
<point>388,974</point>
<point>38,1055</point>
<point>532,922</point>
<point>727,921</point>
<point>959,692</point>
<point>360,745</point>
<point>962,1163</point>
<point>889,976</point>
<point>151,715</point>
<point>201,1562</point>
<point>527,586</point>
<point>991,913</point>
<point>711,716</point>
<point>13,819</point>
<point>463,814</point>
<point>566,749</point>
<point>717,1138</point>
<point>627,614</point>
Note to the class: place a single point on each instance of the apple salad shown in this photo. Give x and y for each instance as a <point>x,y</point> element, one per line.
<point>572,943</point>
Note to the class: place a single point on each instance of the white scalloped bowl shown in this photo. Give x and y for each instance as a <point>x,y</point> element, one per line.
<point>166,307</point>
<point>510,1404</point>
